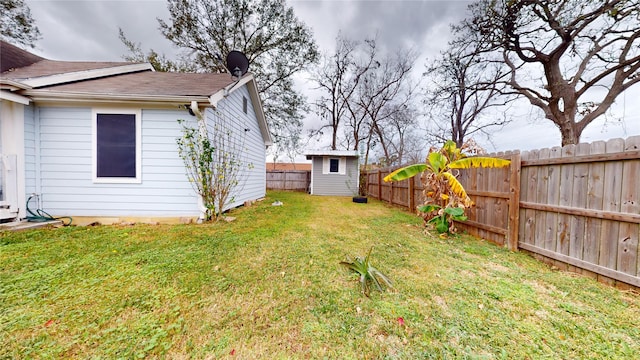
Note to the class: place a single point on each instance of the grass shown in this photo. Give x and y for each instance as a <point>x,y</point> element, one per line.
<point>269,285</point>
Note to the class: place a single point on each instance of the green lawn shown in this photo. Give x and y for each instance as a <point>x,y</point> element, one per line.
<point>269,285</point>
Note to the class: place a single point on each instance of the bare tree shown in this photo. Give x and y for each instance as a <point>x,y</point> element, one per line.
<point>382,87</point>
<point>404,144</point>
<point>336,79</point>
<point>366,98</point>
<point>465,84</point>
<point>586,53</point>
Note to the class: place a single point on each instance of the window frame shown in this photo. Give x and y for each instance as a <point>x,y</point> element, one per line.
<point>138,143</point>
<point>326,165</point>
<point>335,161</point>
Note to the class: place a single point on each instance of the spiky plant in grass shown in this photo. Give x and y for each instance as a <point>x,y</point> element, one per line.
<point>368,274</point>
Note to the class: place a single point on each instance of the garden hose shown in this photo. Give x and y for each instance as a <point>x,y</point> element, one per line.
<point>43,216</point>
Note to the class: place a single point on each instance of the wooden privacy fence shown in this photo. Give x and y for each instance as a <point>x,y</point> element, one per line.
<point>578,205</point>
<point>296,180</point>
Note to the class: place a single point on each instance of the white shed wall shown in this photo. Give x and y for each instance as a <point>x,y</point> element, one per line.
<point>335,183</point>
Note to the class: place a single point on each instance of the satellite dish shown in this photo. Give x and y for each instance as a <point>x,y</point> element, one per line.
<point>237,63</point>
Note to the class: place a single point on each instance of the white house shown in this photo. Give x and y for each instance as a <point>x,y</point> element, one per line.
<point>334,172</point>
<point>97,140</point>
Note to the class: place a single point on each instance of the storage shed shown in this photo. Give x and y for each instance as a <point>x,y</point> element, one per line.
<point>334,172</point>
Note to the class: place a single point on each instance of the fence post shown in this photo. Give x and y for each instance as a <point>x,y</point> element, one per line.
<point>412,198</point>
<point>514,202</point>
<point>379,184</point>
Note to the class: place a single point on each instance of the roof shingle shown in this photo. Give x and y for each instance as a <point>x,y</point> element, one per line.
<point>148,83</point>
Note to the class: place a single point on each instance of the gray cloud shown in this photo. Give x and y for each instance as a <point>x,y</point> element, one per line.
<point>88,30</point>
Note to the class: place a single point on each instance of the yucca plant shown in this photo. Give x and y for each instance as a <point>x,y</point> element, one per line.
<point>441,186</point>
<point>368,274</point>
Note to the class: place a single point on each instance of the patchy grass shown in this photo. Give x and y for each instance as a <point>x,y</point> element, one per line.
<point>269,285</point>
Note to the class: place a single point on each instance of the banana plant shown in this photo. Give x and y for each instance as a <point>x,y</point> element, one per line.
<point>441,185</point>
<point>443,221</point>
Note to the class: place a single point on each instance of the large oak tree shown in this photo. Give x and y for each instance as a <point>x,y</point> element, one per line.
<point>570,58</point>
<point>275,41</point>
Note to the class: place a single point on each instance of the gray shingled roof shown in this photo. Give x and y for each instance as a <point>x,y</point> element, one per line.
<point>20,65</point>
<point>12,57</point>
<point>148,83</point>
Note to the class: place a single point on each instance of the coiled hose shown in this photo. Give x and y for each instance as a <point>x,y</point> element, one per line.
<point>43,216</point>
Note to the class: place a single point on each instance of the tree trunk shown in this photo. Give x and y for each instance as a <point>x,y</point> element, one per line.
<point>570,132</point>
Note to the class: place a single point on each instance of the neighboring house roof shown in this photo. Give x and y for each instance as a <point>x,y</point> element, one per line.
<point>27,77</point>
<point>347,153</point>
<point>288,166</point>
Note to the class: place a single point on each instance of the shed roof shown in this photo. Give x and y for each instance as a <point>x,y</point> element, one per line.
<point>348,153</point>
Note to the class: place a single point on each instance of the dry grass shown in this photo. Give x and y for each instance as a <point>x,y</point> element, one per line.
<point>269,286</point>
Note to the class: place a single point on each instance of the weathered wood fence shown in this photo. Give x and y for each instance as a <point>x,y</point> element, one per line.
<point>577,207</point>
<point>296,180</point>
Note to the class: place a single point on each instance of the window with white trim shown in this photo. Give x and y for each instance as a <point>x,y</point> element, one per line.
<point>116,146</point>
<point>334,165</point>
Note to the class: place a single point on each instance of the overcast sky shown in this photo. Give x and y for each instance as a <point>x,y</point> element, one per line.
<point>87,30</point>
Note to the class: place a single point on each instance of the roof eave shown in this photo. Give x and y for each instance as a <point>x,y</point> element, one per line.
<point>13,85</point>
<point>13,97</point>
<point>68,97</point>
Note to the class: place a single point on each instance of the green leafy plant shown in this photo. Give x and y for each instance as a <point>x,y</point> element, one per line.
<point>368,274</point>
<point>214,158</point>
<point>444,220</point>
<point>442,189</point>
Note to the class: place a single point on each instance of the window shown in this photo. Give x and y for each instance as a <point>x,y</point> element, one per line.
<point>334,165</point>
<point>116,146</point>
<point>244,104</point>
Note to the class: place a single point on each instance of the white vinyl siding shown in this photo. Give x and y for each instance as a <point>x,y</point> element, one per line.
<point>30,150</point>
<point>252,179</point>
<point>67,168</point>
<point>67,184</point>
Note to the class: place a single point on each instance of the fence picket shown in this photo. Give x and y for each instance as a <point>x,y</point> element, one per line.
<point>566,186</point>
<point>611,202</point>
<point>628,236</point>
<point>579,200</point>
<point>542,191</point>
<point>595,193</point>
<point>532,186</point>
<point>553,198</point>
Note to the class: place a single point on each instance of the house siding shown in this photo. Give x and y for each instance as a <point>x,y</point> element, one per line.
<point>252,179</point>
<point>66,168</point>
<point>334,184</point>
<point>30,150</point>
